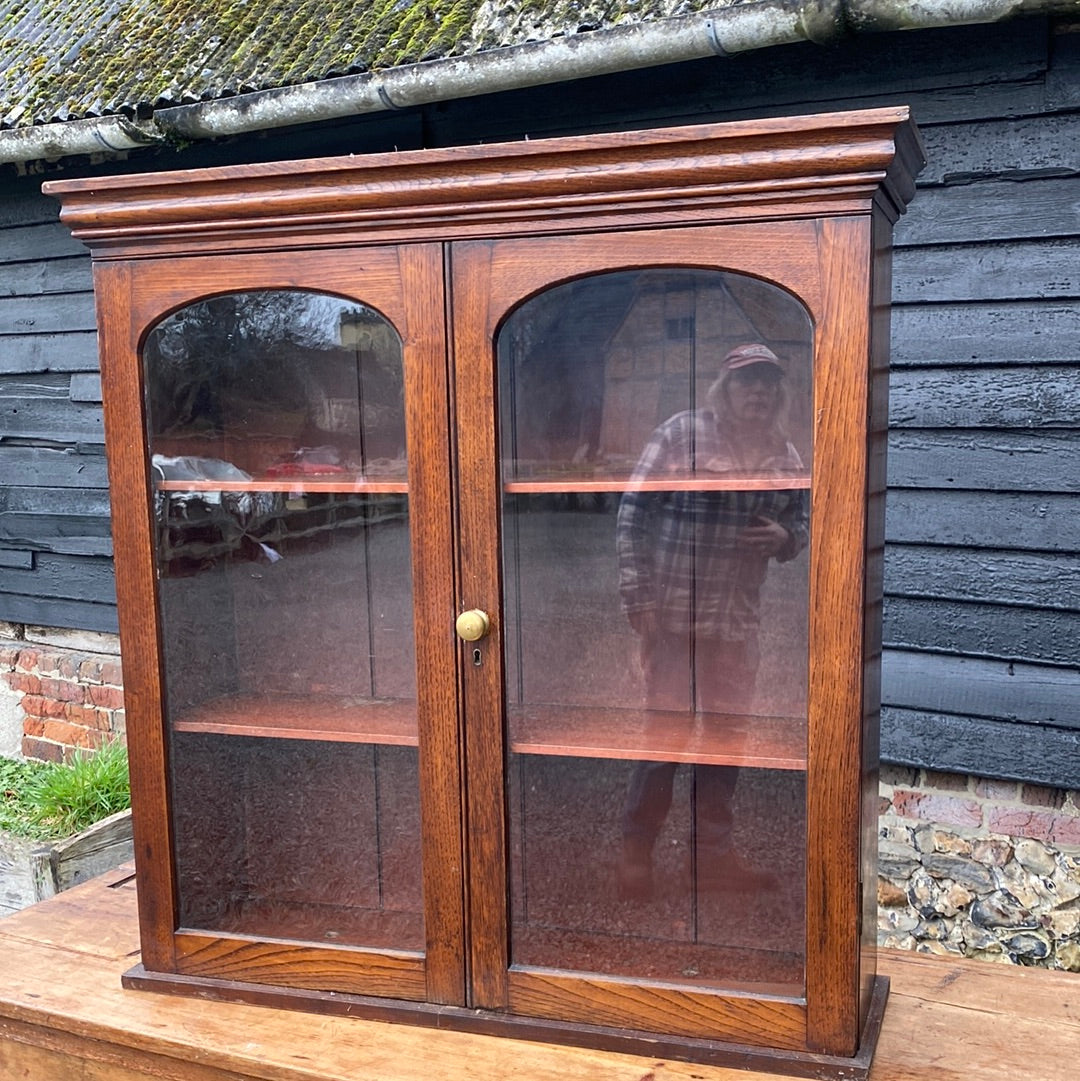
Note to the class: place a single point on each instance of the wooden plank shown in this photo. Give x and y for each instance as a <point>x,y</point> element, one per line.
<point>982,746</point>
<point>636,734</point>
<point>322,717</point>
<point>85,387</point>
<point>63,1013</point>
<point>1029,332</point>
<point>96,850</point>
<point>1002,210</point>
<point>93,920</point>
<point>47,467</point>
<point>992,576</point>
<point>390,973</point>
<point>1029,397</point>
<point>41,276</point>
<point>699,482</point>
<point>53,418</point>
<point>618,1003</point>
<point>1021,270</point>
<point>53,576</point>
<point>25,243</point>
<point>22,202</point>
<point>967,686</point>
<point>993,461</point>
<point>1062,89</point>
<point>1037,522</point>
<point>68,520</point>
<point>55,313</point>
<point>17,559</point>
<point>46,352</point>
<point>342,483</point>
<point>80,615</point>
<point>45,385</point>
<point>1038,635</point>
<point>1006,148</point>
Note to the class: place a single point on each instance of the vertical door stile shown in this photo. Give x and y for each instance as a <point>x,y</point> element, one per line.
<point>479,587</point>
<point>427,423</point>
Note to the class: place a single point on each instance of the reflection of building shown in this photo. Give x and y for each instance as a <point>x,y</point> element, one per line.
<point>633,348</point>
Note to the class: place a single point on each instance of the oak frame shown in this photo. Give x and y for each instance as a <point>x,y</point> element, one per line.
<point>806,203</point>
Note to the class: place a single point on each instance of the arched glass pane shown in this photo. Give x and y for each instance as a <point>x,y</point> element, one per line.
<point>656,450</point>
<point>276,424</point>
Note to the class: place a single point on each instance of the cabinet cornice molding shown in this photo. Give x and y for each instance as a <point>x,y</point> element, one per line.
<point>836,163</point>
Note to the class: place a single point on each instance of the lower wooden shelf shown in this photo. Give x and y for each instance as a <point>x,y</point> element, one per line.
<point>658,736</point>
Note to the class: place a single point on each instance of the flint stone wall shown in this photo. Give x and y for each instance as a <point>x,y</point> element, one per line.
<point>979,868</point>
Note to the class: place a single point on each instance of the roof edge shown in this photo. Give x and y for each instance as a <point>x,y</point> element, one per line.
<point>719,33</point>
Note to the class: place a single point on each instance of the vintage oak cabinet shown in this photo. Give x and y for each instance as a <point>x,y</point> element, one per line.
<point>498,543</point>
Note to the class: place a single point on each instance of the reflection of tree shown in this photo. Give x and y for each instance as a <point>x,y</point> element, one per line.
<point>285,362</point>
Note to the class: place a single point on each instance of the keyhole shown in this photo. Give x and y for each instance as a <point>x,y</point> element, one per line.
<point>476,658</point>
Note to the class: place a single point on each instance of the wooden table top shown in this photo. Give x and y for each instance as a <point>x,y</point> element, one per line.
<point>63,1014</point>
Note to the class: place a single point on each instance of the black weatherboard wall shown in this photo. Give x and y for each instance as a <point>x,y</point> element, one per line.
<point>982,573</point>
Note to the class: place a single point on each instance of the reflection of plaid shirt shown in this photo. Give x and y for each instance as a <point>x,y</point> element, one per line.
<point>677,550</point>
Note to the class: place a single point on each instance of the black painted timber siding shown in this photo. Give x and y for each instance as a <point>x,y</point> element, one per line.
<point>54,501</point>
<point>982,613</point>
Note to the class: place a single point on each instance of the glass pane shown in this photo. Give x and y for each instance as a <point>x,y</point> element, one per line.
<point>278,455</point>
<point>656,453</point>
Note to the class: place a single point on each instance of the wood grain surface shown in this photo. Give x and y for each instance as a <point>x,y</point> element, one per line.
<point>63,1014</point>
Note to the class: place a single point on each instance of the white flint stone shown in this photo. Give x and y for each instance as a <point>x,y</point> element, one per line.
<point>1035,856</point>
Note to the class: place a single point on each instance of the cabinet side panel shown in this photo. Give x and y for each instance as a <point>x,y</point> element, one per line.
<point>838,567</point>
<point>132,524</point>
<point>872,614</point>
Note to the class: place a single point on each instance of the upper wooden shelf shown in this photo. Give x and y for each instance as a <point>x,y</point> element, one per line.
<point>532,486</point>
<point>288,485</point>
<point>553,730</point>
<point>700,482</point>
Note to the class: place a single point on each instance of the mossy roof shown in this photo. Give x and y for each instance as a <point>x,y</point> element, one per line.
<point>66,59</point>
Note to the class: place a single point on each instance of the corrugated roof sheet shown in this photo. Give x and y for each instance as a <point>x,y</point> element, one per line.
<point>67,59</point>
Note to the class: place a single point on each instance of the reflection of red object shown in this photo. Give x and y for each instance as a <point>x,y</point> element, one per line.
<point>303,469</point>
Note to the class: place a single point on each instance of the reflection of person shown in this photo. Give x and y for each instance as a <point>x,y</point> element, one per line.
<point>691,567</point>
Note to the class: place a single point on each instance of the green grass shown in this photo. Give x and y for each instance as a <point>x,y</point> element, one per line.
<point>52,800</point>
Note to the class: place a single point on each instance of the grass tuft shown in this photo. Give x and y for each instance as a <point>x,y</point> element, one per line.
<point>53,800</point>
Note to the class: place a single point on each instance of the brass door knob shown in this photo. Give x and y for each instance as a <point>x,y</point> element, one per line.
<point>472,625</point>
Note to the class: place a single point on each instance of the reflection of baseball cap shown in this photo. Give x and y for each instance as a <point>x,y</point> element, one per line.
<point>742,356</point>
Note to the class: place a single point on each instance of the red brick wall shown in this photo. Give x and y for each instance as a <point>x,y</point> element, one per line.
<point>1009,808</point>
<point>69,698</point>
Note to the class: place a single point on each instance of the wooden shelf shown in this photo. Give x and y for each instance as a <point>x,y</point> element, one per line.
<point>344,484</point>
<point>701,482</point>
<point>558,731</point>
<point>638,734</point>
<point>336,719</point>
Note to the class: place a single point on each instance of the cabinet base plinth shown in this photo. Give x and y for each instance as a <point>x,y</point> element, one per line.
<point>481,1022</point>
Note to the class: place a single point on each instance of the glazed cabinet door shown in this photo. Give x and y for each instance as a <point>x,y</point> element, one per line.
<point>643,424</point>
<point>301,713</point>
